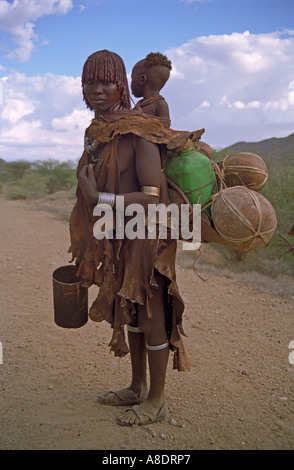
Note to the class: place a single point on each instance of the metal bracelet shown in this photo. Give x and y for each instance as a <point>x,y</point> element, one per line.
<point>157,348</point>
<point>106,198</point>
<point>150,190</point>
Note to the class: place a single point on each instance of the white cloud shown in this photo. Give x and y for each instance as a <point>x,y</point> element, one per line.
<point>17,109</point>
<point>17,17</point>
<point>245,79</point>
<point>205,104</point>
<point>42,117</point>
<point>22,133</point>
<point>214,84</point>
<point>291,93</point>
<point>81,8</point>
<point>239,104</point>
<point>74,121</point>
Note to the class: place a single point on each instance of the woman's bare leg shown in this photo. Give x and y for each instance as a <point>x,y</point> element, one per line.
<point>138,385</point>
<point>156,336</point>
<point>137,346</point>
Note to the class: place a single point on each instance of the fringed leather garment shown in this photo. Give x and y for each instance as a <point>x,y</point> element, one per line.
<point>124,269</point>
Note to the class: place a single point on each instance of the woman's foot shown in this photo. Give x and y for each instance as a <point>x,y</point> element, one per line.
<point>141,415</point>
<point>122,397</point>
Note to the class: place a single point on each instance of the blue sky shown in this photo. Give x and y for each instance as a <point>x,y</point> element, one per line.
<point>233,67</point>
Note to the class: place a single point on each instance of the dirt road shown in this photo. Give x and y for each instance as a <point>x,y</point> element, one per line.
<point>239,393</point>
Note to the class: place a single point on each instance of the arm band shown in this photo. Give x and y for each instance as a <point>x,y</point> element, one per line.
<point>150,190</point>
<point>106,198</point>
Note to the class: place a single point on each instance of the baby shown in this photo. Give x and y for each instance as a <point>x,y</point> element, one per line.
<point>148,77</point>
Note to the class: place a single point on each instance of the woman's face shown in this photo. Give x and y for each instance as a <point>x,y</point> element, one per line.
<point>101,95</point>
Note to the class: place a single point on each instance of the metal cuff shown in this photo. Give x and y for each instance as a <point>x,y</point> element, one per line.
<point>106,198</point>
<point>157,348</point>
<point>150,190</point>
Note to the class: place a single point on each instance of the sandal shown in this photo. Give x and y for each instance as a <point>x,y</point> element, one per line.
<point>144,416</point>
<point>123,397</point>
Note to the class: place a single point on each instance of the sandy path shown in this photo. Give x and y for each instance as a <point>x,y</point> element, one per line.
<point>238,394</point>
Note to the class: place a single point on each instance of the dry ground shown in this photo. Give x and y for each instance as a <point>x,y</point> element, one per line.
<point>238,394</point>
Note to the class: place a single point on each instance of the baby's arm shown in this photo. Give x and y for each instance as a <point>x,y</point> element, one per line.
<point>162,109</point>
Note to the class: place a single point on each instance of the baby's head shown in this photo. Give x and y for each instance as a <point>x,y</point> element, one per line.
<point>154,70</point>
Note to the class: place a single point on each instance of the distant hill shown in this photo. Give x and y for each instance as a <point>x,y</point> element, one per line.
<point>279,148</point>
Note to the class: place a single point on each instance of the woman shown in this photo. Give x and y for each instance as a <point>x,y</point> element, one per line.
<point>136,277</point>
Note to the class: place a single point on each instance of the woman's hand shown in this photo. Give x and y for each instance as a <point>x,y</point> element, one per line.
<point>87,184</point>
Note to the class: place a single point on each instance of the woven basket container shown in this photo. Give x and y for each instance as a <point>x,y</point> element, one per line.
<point>244,218</point>
<point>204,148</point>
<point>245,169</point>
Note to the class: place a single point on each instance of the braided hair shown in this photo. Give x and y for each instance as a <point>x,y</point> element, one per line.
<point>107,67</point>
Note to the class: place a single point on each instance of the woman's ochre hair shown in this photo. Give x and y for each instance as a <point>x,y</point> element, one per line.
<point>107,67</point>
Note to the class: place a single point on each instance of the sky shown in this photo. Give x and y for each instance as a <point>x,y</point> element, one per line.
<point>232,67</point>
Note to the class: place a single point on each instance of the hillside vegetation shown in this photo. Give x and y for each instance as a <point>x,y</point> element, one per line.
<point>43,179</point>
<point>280,149</point>
<point>26,180</point>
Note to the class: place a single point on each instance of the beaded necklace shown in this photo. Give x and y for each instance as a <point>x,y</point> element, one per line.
<point>150,100</point>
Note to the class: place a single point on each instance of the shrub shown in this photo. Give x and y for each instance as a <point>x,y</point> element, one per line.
<point>59,176</point>
<point>14,171</point>
<point>31,186</point>
<point>26,180</point>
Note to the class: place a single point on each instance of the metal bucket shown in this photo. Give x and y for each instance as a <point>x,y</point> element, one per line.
<point>69,297</point>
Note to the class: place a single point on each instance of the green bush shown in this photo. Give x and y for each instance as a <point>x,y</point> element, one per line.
<point>31,186</point>
<point>25,180</point>
<point>59,176</point>
<point>14,171</point>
